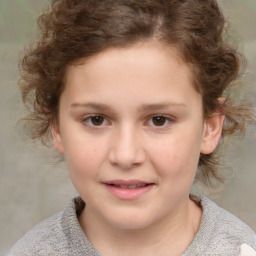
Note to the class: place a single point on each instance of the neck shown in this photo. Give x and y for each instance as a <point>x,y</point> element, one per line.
<point>171,234</point>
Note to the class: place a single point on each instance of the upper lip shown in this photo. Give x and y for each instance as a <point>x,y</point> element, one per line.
<point>127,182</point>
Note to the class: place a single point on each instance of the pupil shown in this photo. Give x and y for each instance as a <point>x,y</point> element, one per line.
<point>159,120</point>
<point>97,120</point>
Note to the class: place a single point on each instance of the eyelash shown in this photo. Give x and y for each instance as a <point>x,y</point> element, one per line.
<point>167,120</point>
<point>87,120</point>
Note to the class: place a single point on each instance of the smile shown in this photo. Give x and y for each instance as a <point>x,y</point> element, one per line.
<point>128,190</point>
<point>131,186</point>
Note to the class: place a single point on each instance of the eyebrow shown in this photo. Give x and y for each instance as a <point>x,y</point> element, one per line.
<point>144,107</point>
<point>161,106</point>
<point>97,106</point>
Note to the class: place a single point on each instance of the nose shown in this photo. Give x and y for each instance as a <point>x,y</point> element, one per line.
<point>127,149</point>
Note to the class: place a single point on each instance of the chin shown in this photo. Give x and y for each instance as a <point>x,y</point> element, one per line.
<point>130,222</point>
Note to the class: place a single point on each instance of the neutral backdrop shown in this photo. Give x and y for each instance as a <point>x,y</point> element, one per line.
<point>33,186</point>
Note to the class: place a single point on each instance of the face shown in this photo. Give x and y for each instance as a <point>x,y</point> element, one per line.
<point>131,128</point>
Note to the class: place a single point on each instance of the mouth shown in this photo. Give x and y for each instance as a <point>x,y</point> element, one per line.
<point>128,190</point>
<point>130,186</point>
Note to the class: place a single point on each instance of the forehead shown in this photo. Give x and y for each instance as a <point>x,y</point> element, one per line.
<point>144,70</point>
<point>142,57</point>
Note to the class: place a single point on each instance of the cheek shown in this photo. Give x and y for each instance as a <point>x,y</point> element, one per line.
<point>176,156</point>
<point>84,161</point>
<point>84,156</point>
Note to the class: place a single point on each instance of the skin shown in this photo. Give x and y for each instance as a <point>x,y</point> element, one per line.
<point>127,88</point>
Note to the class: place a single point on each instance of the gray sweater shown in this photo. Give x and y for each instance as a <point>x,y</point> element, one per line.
<point>220,233</point>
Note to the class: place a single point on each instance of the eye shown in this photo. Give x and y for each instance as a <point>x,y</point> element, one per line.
<point>159,121</point>
<point>95,120</point>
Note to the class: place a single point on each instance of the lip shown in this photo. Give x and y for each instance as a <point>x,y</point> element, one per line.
<point>128,190</point>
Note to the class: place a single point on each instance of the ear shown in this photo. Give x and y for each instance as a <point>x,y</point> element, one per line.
<point>57,140</point>
<point>212,132</point>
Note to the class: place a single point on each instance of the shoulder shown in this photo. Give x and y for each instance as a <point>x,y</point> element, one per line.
<point>221,233</point>
<point>227,225</point>
<point>43,239</point>
<point>59,235</point>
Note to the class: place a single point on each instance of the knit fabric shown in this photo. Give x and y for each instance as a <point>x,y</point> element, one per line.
<point>220,234</point>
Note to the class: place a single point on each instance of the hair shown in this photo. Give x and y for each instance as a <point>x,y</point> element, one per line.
<point>71,30</point>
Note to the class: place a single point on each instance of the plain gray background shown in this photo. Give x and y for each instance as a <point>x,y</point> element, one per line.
<point>33,186</point>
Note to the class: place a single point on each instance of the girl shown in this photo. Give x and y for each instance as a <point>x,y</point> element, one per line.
<point>135,95</point>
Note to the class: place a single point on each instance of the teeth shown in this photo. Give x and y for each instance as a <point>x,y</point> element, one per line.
<point>132,186</point>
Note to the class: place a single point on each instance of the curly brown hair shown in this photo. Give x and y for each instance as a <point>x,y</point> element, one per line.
<point>71,30</point>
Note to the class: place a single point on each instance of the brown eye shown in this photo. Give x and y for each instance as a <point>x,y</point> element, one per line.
<point>159,120</point>
<point>97,120</point>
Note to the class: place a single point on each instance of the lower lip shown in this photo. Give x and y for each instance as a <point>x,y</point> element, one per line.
<point>128,193</point>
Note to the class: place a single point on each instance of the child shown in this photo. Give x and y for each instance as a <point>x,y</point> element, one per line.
<point>135,94</point>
